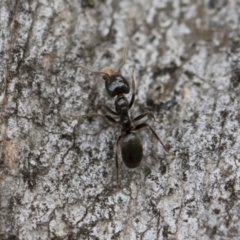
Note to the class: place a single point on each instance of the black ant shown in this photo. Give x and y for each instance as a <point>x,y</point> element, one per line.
<point>116,86</point>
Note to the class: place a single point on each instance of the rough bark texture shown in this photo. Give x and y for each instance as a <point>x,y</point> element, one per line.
<point>58,176</point>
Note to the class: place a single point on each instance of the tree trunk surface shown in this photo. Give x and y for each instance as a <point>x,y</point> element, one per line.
<point>57,170</point>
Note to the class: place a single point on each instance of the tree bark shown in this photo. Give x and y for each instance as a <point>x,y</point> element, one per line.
<point>58,175</point>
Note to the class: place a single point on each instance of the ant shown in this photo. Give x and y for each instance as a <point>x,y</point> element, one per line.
<point>116,86</point>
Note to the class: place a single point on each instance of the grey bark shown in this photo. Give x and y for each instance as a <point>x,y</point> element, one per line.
<point>58,176</point>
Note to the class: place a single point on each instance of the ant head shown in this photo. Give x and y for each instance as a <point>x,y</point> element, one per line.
<point>115,83</point>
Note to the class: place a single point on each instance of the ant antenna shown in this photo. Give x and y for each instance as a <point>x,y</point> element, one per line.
<point>88,69</point>
<point>124,58</point>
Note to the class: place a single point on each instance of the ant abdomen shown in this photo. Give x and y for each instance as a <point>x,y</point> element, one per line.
<point>132,150</point>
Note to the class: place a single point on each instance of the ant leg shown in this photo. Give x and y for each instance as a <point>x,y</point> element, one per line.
<point>155,135</point>
<point>124,58</point>
<point>133,90</point>
<point>107,109</point>
<point>95,115</point>
<point>116,158</point>
<point>144,115</point>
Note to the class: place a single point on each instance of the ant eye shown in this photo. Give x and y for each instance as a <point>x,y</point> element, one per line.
<point>105,77</point>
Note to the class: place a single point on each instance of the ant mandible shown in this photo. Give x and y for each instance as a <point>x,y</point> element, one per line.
<point>116,86</point>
